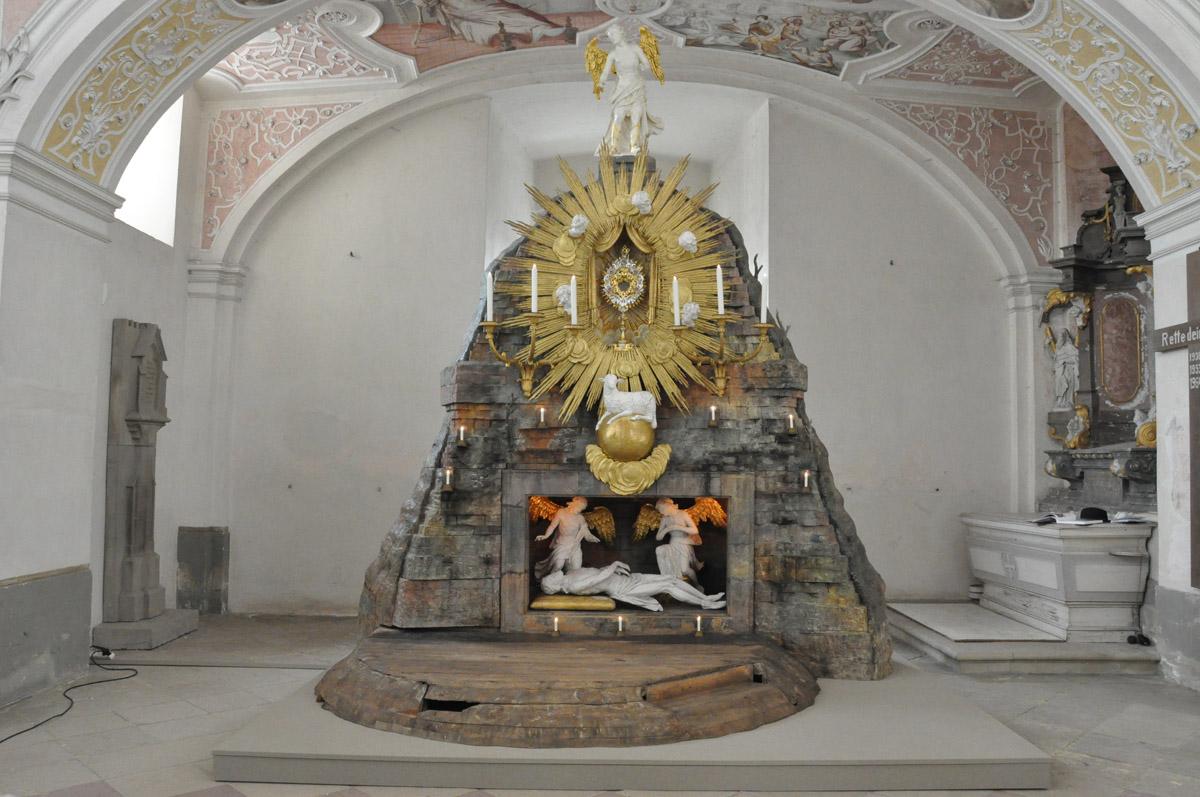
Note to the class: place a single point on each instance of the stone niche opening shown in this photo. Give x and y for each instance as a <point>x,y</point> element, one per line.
<point>640,555</point>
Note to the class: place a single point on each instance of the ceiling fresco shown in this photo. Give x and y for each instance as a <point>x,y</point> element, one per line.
<point>437,32</point>
<point>820,34</point>
<point>999,9</point>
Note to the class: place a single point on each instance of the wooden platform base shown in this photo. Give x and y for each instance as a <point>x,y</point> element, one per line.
<point>534,691</point>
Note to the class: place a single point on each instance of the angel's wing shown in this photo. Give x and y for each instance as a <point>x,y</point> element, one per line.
<point>594,58</point>
<point>647,521</point>
<point>541,508</point>
<point>601,521</point>
<point>650,48</point>
<point>709,509</point>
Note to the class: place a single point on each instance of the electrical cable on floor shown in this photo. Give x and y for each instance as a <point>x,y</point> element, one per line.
<point>66,692</point>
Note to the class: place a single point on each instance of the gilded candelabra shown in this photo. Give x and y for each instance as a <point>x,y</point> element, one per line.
<point>527,361</point>
<point>725,356</point>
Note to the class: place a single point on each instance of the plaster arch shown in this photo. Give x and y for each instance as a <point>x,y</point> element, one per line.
<point>1014,258</point>
<point>1162,160</point>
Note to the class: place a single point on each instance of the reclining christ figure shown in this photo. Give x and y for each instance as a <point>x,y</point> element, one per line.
<point>638,589</point>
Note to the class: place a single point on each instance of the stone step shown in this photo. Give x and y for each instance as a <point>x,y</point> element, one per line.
<point>1074,658</point>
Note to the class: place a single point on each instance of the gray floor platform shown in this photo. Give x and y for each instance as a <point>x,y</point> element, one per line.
<point>1022,656</point>
<point>908,731</point>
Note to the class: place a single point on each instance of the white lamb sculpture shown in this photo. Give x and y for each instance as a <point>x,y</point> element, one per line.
<point>636,404</point>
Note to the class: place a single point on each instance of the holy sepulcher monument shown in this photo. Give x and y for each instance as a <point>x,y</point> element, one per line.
<point>599,396</point>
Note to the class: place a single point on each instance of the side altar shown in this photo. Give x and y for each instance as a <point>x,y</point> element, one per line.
<point>628,531</point>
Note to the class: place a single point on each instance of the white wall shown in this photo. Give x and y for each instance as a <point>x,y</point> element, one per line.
<point>509,170</point>
<point>895,308</point>
<point>744,176</point>
<point>61,291</point>
<point>337,378</point>
<point>150,182</point>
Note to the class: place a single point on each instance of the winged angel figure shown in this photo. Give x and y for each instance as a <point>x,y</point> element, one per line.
<point>573,526</point>
<point>678,556</point>
<point>631,125</point>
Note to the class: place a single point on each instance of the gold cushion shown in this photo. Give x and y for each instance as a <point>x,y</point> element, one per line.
<point>574,603</point>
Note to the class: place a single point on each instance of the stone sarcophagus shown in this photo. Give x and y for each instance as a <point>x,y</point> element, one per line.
<point>739,550</point>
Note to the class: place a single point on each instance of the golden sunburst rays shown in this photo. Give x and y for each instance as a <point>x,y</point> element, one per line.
<point>622,201</point>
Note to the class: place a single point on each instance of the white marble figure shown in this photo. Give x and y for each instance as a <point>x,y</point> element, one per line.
<point>562,297</point>
<point>688,242</point>
<point>636,404</point>
<point>1063,324</point>
<point>631,124</point>
<point>566,552</point>
<point>579,225</point>
<point>689,314</point>
<point>678,557</point>
<point>641,201</point>
<point>637,589</point>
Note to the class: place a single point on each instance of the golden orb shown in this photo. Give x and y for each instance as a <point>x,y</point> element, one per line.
<point>626,440</point>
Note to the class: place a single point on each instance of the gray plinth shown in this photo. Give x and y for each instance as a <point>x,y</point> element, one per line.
<point>858,736</point>
<point>146,634</point>
<point>203,577</point>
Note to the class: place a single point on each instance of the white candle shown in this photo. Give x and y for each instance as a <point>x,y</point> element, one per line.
<point>712,412</point>
<point>449,474</point>
<point>720,292</point>
<point>620,623</point>
<point>556,625</point>
<point>490,313</point>
<point>574,304</point>
<point>462,434</point>
<point>697,624</point>
<point>541,414</point>
<point>533,289</point>
<point>765,284</point>
<point>675,297</point>
<point>807,474</point>
<point>791,422</point>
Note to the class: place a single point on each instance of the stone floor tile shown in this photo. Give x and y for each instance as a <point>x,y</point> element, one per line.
<point>107,741</point>
<point>224,722</point>
<point>285,789</point>
<point>83,723</point>
<point>350,792</point>
<point>1157,727</point>
<point>44,778</point>
<point>226,700</point>
<point>1111,748</point>
<point>161,712</point>
<point>413,791</point>
<point>220,790</point>
<point>32,755</point>
<point>1048,738</point>
<point>153,757</point>
<point>1166,784</point>
<point>97,789</point>
<point>164,782</point>
<point>35,736</point>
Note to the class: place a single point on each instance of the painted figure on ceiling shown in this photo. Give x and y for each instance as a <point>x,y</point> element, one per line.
<point>487,21</point>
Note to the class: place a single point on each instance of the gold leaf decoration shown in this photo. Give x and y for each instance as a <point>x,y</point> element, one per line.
<point>628,478</point>
<point>647,521</point>
<point>658,358</point>
<point>601,521</point>
<point>708,509</point>
<point>542,508</point>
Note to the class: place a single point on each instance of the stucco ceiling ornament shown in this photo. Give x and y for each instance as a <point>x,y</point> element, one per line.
<point>963,59</point>
<point>13,60</point>
<point>136,70</point>
<point>296,51</point>
<point>1126,90</point>
<point>1008,150</point>
<point>244,144</point>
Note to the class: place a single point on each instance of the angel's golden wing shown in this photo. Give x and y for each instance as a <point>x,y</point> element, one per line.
<point>594,58</point>
<point>601,521</point>
<point>650,47</point>
<point>709,509</point>
<point>647,521</point>
<point>541,508</point>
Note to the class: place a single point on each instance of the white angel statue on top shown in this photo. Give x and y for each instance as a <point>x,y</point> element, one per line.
<point>631,124</point>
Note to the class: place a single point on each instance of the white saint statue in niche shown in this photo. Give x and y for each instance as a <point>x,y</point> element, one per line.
<point>571,528</point>
<point>678,557</point>
<point>631,125</point>
<point>637,589</point>
<point>1063,324</point>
